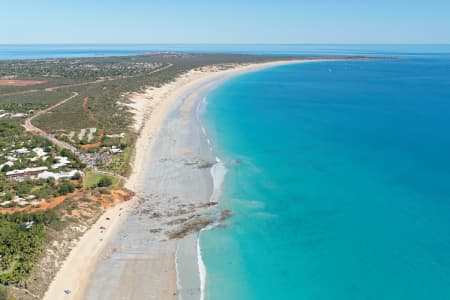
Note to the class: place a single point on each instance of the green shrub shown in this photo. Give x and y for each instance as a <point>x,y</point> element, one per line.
<point>65,188</point>
<point>104,182</point>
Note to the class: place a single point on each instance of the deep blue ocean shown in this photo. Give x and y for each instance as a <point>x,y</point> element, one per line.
<point>338,179</point>
<point>25,51</point>
<point>338,172</point>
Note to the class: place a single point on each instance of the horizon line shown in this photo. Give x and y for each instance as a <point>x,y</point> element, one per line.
<point>225,44</point>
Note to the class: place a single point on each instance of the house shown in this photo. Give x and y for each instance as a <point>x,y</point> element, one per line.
<point>39,152</point>
<point>22,151</point>
<point>62,161</point>
<point>18,115</point>
<point>115,149</point>
<point>8,163</point>
<point>121,135</point>
<point>28,225</point>
<point>35,202</point>
<point>18,199</point>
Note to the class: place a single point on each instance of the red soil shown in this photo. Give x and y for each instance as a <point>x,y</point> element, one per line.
<point>117,196</point>
<point>85,102</point>
<point>90,146</point>
<point>44,205</point>
<point>93,145</point>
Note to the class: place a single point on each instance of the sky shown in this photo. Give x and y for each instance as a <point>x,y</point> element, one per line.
<point>225,21</point>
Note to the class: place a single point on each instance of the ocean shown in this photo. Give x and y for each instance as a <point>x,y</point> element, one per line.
<point>337,172</point>
<point>338,180</point>
<point>40,51</point>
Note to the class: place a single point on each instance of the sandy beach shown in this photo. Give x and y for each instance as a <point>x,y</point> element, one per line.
<point>146,248</point>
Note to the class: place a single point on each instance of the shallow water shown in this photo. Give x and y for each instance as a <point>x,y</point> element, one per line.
<point>338,177</point>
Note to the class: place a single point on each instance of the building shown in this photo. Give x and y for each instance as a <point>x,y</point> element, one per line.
<point>58,176</point>
<point>115,150</point>
<point>28,172</point>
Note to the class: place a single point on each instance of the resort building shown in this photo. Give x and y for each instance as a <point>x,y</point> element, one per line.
<point>58,176</point>
<point>28,172</point>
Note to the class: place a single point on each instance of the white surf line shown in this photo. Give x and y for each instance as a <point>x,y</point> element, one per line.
<point>218,172</point>
<point>177,271</point>
<point>218,175</point>
<point>201,269</point>
<point>198,108</point>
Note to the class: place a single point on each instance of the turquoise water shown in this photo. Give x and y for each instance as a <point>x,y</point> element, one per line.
<point>339,181</point>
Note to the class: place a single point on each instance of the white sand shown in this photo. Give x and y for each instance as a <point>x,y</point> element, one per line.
<point>77,267</point>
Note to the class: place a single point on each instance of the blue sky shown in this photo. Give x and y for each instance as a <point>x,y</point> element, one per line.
<point>226,21</point>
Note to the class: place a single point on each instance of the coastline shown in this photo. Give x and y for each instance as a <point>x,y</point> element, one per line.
<point>96,252</point>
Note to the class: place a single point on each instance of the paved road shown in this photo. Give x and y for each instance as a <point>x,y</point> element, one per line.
<point>30,127</point>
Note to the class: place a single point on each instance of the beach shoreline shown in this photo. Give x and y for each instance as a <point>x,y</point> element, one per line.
<point>96,252</point>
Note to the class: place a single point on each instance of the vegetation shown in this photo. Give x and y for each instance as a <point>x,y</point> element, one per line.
<point>94,180</point>
<point>104,182</point>
<point>3,293</point>
<point>21,242</point>
<point>12,137</point>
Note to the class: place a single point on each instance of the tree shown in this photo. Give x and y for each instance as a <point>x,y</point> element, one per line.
<point>51,181</point>
<point>24,188</point>
<point>65,188</point>
<point>6,168</point>
<point>104,182</point>
<point>51,160</point>
<point>77,176</point>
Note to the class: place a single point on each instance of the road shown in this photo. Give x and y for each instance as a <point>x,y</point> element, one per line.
<point>51,89</point>
<point>31,128</point>
<point>96,170</point>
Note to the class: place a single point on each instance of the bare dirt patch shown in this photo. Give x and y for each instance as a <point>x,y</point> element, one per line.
<point>91,146</point>
<point>113,198</point>
<point>43,205</point>
<point>14,82</point>
<point>85,102</point>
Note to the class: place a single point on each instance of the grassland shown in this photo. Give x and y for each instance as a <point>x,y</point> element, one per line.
<point>93,178</point>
